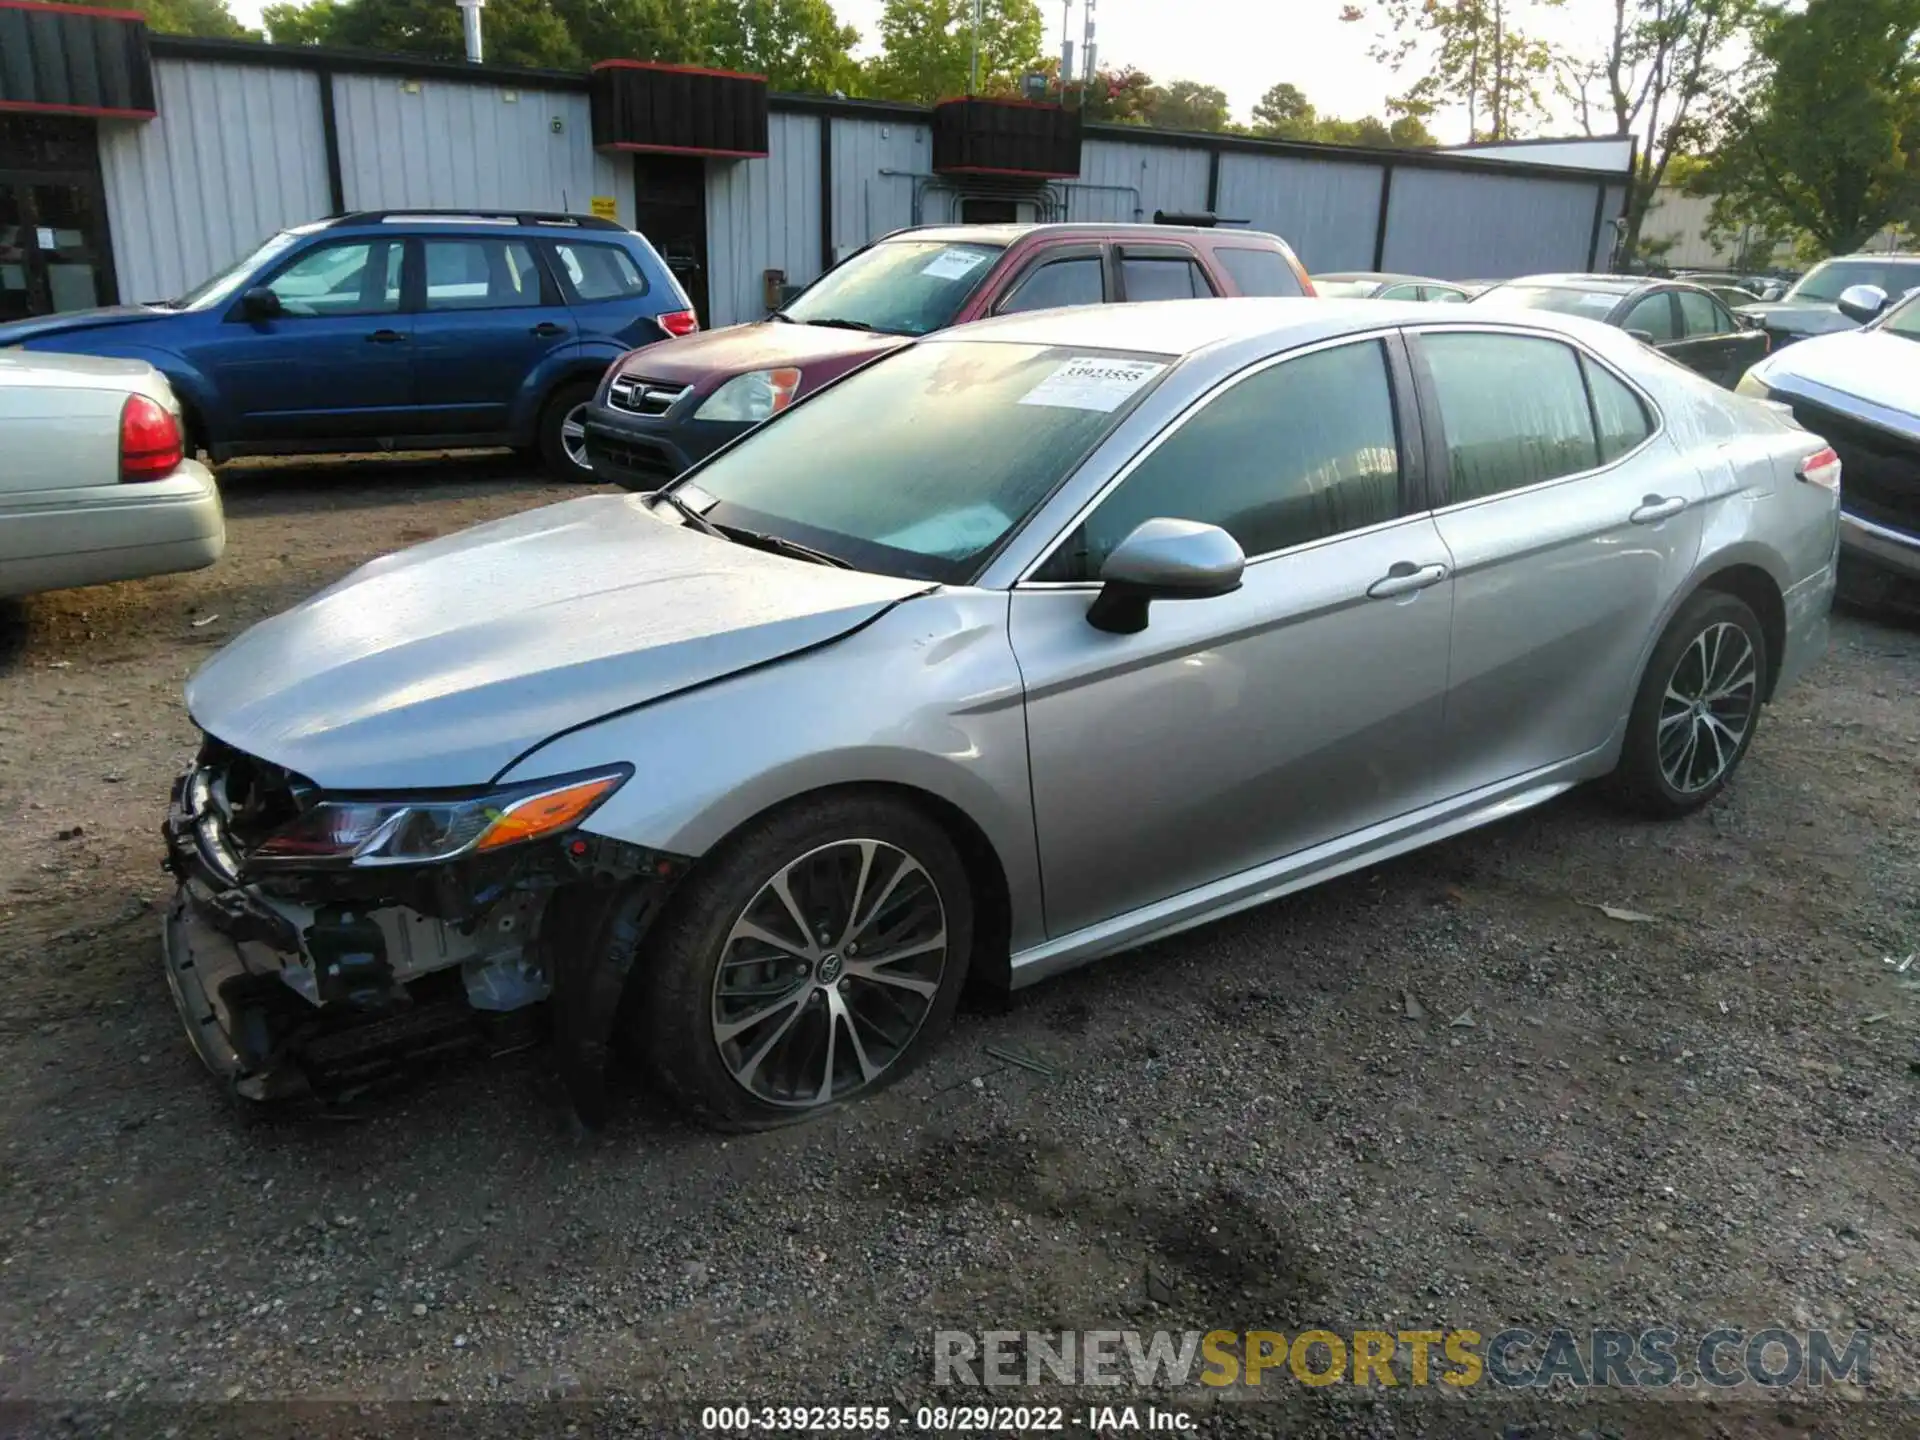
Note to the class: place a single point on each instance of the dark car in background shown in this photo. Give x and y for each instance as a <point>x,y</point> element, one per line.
<point>663,409</point>
<point>1379,285</point>
<point>1685,322</point>
<point>1812,306</point>
<point>397,330</point>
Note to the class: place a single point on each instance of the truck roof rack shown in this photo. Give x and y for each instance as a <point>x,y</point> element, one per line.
<point>479,216</point>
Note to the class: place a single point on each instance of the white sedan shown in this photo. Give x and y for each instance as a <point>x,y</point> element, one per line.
<point>95,483</point>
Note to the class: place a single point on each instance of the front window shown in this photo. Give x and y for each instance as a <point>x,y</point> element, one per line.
<point>920,464</point>
<point>901,287</point>
<point>1828,279</point>
<point>229,282</point>
<point>1903,320</point>
<point>1562,299</point>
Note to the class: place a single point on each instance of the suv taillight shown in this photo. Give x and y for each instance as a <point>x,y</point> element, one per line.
<point>150,446</point>
<point>1821,468</point>
<point>679,322</point>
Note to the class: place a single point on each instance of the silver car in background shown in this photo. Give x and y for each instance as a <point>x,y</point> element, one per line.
<point>1036,640</point>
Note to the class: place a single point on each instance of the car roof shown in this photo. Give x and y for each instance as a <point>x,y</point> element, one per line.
<point>1186,327</point>
<point>1385,277</point>
<point>1611,284</point>
<point>1007,234</point>
<point>523,219</point>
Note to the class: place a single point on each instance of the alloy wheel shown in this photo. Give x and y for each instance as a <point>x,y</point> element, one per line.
<point>573,436</point>
<point>829,972</point>
<point>1708,707</point>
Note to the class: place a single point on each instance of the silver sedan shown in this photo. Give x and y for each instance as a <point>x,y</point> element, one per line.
<point>1031,642</point>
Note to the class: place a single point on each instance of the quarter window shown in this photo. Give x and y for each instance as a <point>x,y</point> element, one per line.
<point>1074,281</point>
<point>1618,413</point>
<point>359,278</point>
<point>1162,277</point>
<point>1300,451</point>
<point>1654,316</point>
<point>1514,410</point>
<point>599,272</point>
<point>481,275</point>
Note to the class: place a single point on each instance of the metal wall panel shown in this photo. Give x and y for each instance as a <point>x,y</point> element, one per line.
<point>763,215</point>
<point>1461,226</point>
<point>1326,210</point>
<point>875,163</point>
<point>1122,182</point>
<point>445,145</point>
<point>235,155</point>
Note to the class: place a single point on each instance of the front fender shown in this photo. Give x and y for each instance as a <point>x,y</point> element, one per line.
<point>927,697</point>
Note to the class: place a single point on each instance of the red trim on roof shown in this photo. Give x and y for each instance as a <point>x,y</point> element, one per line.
<point>991,170</point>
<point>683,150</point>
<point>103,112</point>
<point>672,69</point>
<point>94,10</point>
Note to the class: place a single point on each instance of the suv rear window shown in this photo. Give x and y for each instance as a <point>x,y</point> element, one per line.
<point>1258,272</point>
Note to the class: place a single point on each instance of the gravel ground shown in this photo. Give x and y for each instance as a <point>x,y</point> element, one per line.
<point>1703,1117</point>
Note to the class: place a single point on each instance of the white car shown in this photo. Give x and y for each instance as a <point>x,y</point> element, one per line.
<point>95,484</point>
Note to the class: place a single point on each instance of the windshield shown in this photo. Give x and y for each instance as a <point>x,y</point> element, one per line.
<point>1344,289</point>
<point>223,285</point>
<point>1594,304</point>
<point>921,463</point>
<point>1903,320</point>
<point>1827,279</point>
<point>901,287</point>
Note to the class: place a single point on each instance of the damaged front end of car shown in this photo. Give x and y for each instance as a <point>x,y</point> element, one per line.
<point>318,942</point>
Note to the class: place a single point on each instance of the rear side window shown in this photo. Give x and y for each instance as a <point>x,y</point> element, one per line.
<point>1618,413</point>
<point>1653,315</point>
<point>1300,451</point>
<point>1162,277</point>
<point>1074,281</point>
<point>598,272</point>
<point>480,274</point>
<point>1514,410</point>
<point>1258,272</point>
<point>1702,315</point>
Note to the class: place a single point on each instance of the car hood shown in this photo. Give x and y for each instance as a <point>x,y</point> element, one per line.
<point>822,351</point>
<point>1799,317</point>
<point>69,322</point>
<point>443,664</point>
<point>1879,370</point>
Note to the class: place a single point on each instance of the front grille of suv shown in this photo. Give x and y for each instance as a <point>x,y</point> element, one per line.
<point>1879,471</point>
<point>644,397</point>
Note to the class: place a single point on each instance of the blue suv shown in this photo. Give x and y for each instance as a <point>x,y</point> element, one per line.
<point>398,329</point>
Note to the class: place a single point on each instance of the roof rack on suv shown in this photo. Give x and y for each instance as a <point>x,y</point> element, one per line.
<point>477,217</point>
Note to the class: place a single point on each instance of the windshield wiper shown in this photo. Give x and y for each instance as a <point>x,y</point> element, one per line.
<point>838,324</point>
<point>692,516</point>
<point>782,316</point>
<point>780,545</point>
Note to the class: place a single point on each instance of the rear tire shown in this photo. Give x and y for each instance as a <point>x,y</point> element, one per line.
<point>752,1023</point>
<point>1697,709</point>
<point>562,441</point>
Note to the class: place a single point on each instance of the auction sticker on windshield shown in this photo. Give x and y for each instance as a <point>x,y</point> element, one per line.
<point>952,264</point>
<point>1092,382</point>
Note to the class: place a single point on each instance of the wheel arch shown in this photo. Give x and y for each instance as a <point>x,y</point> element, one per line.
<point>1756,588</point>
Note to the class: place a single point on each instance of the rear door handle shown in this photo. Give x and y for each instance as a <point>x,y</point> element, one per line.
<point>1405,578</point>
<point>1654,509</point>
<point>387,337</point>
<point>546,329</point>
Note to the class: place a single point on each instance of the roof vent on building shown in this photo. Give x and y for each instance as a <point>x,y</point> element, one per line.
<point>678,109</point>
<point>979,136</point>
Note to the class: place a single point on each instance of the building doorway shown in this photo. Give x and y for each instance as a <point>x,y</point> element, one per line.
<point>670,209</point>
<point>55,252</point>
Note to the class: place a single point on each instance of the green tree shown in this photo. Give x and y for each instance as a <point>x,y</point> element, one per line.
<point>673,31</point>
<point>517,32</point>
<point>1119,97</point>
<point>1284,113</point>
<point>927,48</point>
<point>1189,105</point>
<point>1472,53</point>
<point>796,44</point>
<point>1827,140</point>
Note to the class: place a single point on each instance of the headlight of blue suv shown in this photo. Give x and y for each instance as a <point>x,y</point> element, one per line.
<point>753,397</point>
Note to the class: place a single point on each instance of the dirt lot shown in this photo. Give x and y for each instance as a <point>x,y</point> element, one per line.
<point>1702,1118</point>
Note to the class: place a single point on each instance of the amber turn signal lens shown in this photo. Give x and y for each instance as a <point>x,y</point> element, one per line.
<point>547,814</point>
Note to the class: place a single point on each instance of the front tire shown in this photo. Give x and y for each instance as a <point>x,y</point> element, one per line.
<point>563,439</point>
<point>815,959</point>
<point>1697,708</point>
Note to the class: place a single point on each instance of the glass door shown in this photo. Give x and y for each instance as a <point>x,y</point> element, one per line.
<point>52,245</point>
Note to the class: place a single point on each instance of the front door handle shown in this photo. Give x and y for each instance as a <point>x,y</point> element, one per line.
<point>546,329</point>
<point>387,337</point>
<point>1655,508</point>
<point>1405,578</point>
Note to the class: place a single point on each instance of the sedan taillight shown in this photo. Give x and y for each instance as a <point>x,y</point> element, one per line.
<point>150,443</point>
<point>1821,468</point>
<point>679,322</point>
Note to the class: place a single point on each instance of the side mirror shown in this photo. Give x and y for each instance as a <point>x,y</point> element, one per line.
<point>1747,322</point>
<point>1164,560</point>
<point>1645,337</point>
<point>1862,303</point>
<point>259,303</point>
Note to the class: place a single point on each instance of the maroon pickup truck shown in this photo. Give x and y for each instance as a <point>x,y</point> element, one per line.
<point>661,408</point>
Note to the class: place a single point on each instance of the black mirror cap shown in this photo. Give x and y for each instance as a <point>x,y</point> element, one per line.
<point>259,303</point>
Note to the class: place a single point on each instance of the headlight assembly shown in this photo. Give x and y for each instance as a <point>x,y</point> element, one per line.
<point>753,397</point>
<point>415,831</point>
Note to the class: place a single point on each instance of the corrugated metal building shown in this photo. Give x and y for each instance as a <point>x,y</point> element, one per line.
<point>138,193</point>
